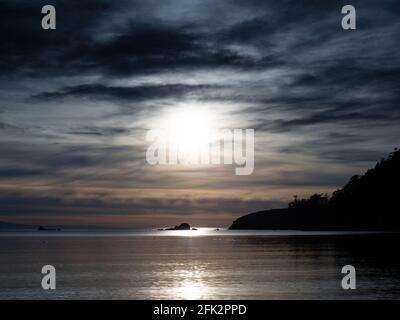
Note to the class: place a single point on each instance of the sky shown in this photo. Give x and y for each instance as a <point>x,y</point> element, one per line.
<point>76,104</point>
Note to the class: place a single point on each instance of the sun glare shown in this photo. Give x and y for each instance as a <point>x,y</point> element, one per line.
<point>189,131</point>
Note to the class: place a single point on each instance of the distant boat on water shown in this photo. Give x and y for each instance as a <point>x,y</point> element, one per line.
<point>42,228</point>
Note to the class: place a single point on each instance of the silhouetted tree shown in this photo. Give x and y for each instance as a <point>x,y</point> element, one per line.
<point>369,201</point>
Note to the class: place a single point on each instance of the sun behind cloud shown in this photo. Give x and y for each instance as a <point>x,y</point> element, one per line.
<point>190,131</point>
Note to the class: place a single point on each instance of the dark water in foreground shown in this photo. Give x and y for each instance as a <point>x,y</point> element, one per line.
<point>211,265</point>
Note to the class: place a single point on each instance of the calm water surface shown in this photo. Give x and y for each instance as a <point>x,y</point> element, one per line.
<point>203,264</point>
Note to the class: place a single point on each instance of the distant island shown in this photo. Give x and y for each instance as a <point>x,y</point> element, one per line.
<point>182,226</point>
<point>367,202</point>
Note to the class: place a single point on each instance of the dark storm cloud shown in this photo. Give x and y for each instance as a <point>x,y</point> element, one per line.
<point>67,204</point>
<point>273,18</point>
<point>100,131</point>
<point>27,48</point>
<point>134,94</point>
<point>143,46</point>
<point>146,48</point>
<point>352,119</point>
<point>58,157</point>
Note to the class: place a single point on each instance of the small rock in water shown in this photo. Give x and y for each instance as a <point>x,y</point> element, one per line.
<point>182,226</point>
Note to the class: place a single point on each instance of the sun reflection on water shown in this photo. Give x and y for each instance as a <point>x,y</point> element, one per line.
<point>190,233</point>
<point>190,284</point>
<point>191,291</point>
